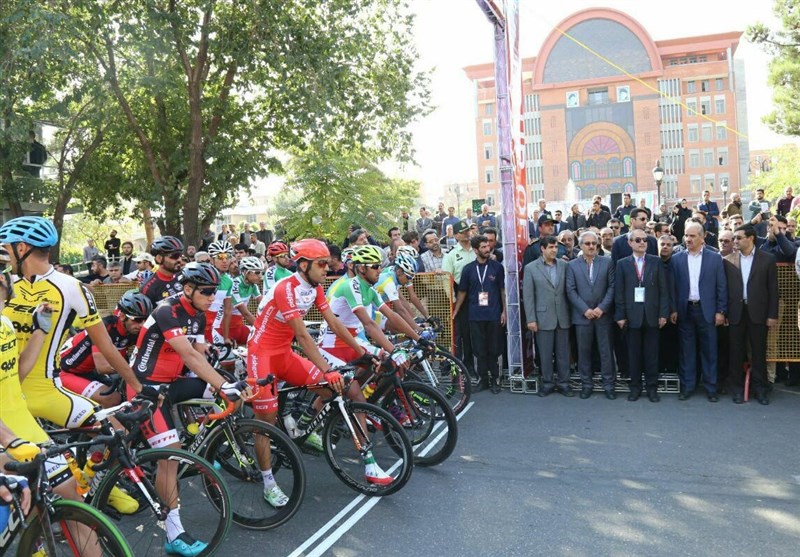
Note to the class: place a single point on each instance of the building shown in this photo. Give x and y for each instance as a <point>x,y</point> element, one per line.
<point>603,102</point>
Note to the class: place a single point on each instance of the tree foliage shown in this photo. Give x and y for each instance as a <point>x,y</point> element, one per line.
<point>328,190</point>
<point>785,168</point>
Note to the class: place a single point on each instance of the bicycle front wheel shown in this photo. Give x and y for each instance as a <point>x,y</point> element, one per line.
<point>387,443</point>
<point>79,530</point>
<point>448,374</point>
<point>203,498</point>
<point>239,467</point>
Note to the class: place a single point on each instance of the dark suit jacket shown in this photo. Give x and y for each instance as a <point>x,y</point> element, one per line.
<point>762,288</point>
<point>713,285</point>
<point>621,248</point>
<point>656,295</point>
<point>574,223</point>
<point>584,295</point>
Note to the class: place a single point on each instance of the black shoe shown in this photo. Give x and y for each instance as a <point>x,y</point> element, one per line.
<point>544,391</point>
<point>684,395</point>
<point>611,395</point>
<point>482,385</point>
<point>568,392</point>
<point>653,396</point>
<point>738,398</point>
<point>586,393</point>
<point>712,397</point>
<point>763,400</point>
<point>634,396</point>
<point>495,386</point>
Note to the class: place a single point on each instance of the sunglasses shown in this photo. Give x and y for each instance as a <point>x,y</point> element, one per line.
<point>174,255</point>
<point>258,272</point>
<point>324,263</point>
<point>639,240</point>
<point>590,243</point>
<point>373,267</point>
<point>208,290</point>
<point>222,256</point>
<point>135,319</point>
<point>282,256</point>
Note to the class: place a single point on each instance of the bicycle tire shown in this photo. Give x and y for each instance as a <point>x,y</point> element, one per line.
<point>426,408</point>
<point>202,513</point>
<point>452,378</point>
<point>390,447</point>
<point>110,538</point>
<point>245,482</point>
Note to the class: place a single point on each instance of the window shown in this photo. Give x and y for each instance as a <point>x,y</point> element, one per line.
<point>692,133</point>
<point>709,179</point>
<point>575,170</point>
<point>694,158</point>
<point>704,86</point>
<point>708,157</point>
<point>691,86</point>
<point>722,131</point>
<point>719,84</point>
<point>588,166</point>
<point>489,175</point>
<point>488,109</point>
<point>719,105</point>
<point>614,168</point>
<point>705,106</point>
<point>695,183</point>
<point>691,107</point>
<point>598,96</point>
<point>706,132</point>
<point>722,156</point>
<point>488,151</point>
<point>487,127</point>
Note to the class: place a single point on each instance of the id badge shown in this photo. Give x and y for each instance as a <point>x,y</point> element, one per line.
<point>638,294</point>
<point>483,298</point>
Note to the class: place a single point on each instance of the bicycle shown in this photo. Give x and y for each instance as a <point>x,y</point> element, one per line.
<point>228,440</point>
<point>421,409</point>
<point>50,529</point>
<point>345,442</point>
<point>205,501</point>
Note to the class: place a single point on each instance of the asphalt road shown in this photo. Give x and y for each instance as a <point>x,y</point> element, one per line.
<point>559,476</point>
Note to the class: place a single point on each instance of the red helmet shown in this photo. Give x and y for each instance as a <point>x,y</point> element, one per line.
<point>309,249</point>
<point>276,248</point>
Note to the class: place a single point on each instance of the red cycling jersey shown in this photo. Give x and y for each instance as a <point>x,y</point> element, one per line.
<point>161,286</point>
<point>76,354</point>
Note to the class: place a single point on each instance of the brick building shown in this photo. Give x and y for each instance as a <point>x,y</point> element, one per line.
<point>603,102</point>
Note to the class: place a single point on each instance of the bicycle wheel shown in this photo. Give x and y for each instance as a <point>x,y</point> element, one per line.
<point>79,530</point>
<point>448,374</point>
<point>238,466</point>
<point>388,443</point>
<point>427,419</point>
<point>205,502</point>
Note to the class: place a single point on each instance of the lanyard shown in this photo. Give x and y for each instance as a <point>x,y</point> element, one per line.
<point>481,278</point>
<point>639,275</point>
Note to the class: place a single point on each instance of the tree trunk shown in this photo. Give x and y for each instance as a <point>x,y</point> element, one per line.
<point>191,202</point>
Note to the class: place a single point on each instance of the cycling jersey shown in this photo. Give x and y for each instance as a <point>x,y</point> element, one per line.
<point>76,354</point>
<point>153,358</point>
<point>273,274</point>
<point>344,296</point>
<point>161,286</point>
<point>241,292</point>
<point>290,299</point>
<point>217,306</point>
<point>388,287</point>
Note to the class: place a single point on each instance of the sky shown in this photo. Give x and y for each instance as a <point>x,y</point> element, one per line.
<point>453,34</point>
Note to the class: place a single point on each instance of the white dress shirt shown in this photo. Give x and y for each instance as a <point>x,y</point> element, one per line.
<point>745,264</point>
<point>695,262</point>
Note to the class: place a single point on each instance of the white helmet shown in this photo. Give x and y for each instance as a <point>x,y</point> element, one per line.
<point>407,263</point>
<point>250,264</point>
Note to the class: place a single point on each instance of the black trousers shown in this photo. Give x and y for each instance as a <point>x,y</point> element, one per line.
<point>742,335</point>
<point>487,344</point>
<point>643,357</point>
<point>462,339</point>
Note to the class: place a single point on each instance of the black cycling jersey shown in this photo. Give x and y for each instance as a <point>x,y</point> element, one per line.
<point>160,287</point>
<point>77,351</point>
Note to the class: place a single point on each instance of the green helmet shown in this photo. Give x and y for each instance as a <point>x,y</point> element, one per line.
<point>367,255</point>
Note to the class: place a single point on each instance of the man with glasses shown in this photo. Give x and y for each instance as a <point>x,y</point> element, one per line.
<point>243,289</point>
<point>590,290</point>
<point>167,252</point>
<point>616,226</point>
<point>725,243</point>
<point>280,268</point>
<point>432,258</point>
<point>606,241</point>
<point>598,217</point>
<point>218,316</point>
<point>144,268</point>
<point>641,307</point>
<point>622,246</point>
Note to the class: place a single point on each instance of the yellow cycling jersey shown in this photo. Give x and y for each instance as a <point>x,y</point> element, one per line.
<point>13,409</point>
<point>72,304</point>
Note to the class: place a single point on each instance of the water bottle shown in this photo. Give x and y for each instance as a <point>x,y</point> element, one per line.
<point>368,389</point>
<point>81,481</point>
<point>88,470</point>
<point>291,426</point>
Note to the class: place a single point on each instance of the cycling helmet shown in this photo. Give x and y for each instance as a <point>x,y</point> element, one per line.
<point>347,255</point>
<point>309,249</point>
<point>166,244</point>
<point>276,248</point>
<point>407,263</point>
<point>216,248</point>
<point>38,232</point>
<point>367,255</point>
<point>250,264</point>
<point>135,305</point>
<point>200,274</point>
<point>408,250</point>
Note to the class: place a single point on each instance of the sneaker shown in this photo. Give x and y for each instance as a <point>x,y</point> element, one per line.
<point>275,496</point>
<point>122,502</point>
<point>375,475</point>
<point>314,441</point>
<point>185,546</point>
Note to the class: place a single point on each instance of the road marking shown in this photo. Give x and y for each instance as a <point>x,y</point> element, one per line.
<point>358,515</point>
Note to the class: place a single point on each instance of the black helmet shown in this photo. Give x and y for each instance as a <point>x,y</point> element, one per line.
<point>200,274</point>
<point>166,244</point>
<point>135,305</point>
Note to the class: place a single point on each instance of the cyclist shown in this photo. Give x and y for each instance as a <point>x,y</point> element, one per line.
<point>218,316</point>
<point>269,351</point>
<point>401,273</point>
<point>411,252</point>
<point>281,266</point>
<point>167,252</point>
<point>245,287</point>
<point>170,344</point>
<point>82,364</point>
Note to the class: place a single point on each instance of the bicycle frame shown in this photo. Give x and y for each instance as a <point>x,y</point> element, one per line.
<point>208,425</point>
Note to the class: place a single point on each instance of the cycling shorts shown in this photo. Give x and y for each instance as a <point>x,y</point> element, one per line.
<point>48,399</point>
<point>160,430</point>
<point>238,331</point>
<point>285,366</point>
<point>84,385</point>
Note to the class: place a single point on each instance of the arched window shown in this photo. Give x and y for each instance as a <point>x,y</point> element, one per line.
<point>579,192</point>
<point>630,187</point>
<point>575,170</point>
<point>588,167</point>
<point>589,191</point>
<point>602,190</point>
<point>615,187</point>
<point>614,168</point>
<point>601,168</point>
<point>627,167</point>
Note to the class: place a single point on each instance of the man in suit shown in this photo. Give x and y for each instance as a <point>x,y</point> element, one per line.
<point>547,312</point>
<point>576,220</point>
<point>752,309</point>
<point>590,291</point>
<point>622,248</point>
<point>642,306</point>
<point>700,292</point>
<point>668,337</point>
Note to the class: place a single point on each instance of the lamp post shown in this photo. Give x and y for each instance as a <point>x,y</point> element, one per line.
<point>658,176</point>
<point>724,187</point>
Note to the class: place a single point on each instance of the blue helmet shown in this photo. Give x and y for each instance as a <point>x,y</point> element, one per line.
<point>38,232</point>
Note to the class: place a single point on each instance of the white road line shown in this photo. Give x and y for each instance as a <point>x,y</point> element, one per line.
<point>358,515</point>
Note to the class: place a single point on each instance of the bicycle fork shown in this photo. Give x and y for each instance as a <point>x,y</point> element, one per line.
<point>361,448</point>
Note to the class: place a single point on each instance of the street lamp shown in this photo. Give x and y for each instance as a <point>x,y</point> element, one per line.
<point>724,187</point>
<point>658,176</point>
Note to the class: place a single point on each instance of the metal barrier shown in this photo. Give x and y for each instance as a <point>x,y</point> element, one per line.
<point>783,342</point>
<point>106,296</point>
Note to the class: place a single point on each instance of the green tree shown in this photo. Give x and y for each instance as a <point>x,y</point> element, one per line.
<point>785,168</point>
<point>327,190</point>
<point>209,88</point>
<point>784,68</point>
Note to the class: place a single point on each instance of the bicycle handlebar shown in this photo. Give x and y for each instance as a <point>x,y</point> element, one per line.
<point>230,406</point>
<point>28,468</point>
